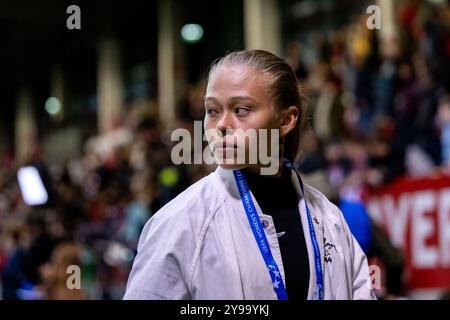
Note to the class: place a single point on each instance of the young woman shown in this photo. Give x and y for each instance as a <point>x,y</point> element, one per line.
<point>240,234</point>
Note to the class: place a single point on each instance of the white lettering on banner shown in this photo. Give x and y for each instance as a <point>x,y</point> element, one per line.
<point>416,209</point>
<point>423,255</point>
<point>444,226</point>
<point>373,207</point>
<point>399,218</point>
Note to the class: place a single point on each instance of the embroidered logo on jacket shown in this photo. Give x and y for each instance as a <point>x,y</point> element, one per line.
<point>327,248</point>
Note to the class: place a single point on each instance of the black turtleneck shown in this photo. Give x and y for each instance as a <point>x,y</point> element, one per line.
<point>277,197</point>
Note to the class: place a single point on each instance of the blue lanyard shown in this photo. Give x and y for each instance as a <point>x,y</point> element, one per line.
<point>263,244</point>
<point>317,260</point>
<point>260,235</point>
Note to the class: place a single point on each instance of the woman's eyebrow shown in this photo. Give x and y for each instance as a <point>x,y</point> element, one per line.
<point>241,98</point>
<point>205,98</point>
<point>231,100</point>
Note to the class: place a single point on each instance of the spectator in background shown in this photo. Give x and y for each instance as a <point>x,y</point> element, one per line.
<point>39,250</point>
<point>13,274</point>
<point>294,59</point>
<point>314,166</point>
<point>329,110</point>
<point>55,279</point>
<point>138,210</point>
<point>436,44</point>
<point>444,120</point>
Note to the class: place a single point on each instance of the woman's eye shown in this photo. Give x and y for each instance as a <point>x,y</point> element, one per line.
<point>241,111</point>
<point>211,112</point>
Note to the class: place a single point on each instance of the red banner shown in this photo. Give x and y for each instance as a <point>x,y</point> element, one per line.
<point>416,215</point>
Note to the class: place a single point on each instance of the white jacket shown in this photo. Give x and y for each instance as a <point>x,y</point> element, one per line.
<point>201,246</point>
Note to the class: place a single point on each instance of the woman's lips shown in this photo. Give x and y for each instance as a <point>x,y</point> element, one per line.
<point>224,145</point>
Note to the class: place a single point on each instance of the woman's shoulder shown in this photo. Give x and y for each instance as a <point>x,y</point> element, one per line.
<point>322,204</point>
<point>329,214</point>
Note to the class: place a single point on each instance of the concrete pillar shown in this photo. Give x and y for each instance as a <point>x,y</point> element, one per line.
<point>25,125</point>
<point>171,74</point>
<point>109,85</point>
<point>262,25</point>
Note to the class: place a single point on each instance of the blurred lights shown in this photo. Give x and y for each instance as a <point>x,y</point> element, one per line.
<point>31,186</point>
<point>52,106</point>
<point>192,32</point>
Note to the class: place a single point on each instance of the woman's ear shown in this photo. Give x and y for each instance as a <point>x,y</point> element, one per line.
<point>288,120</point>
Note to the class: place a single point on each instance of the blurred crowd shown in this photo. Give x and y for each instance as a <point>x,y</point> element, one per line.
<point>97,206</point>
<point>377,110</point>
<point>373,112</point>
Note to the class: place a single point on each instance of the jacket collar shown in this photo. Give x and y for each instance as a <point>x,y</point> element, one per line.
<point>227,180</point>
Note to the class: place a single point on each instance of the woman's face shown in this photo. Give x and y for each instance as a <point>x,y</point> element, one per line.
<point>238,103</point>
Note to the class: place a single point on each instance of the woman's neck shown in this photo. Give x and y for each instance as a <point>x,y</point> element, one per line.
<point>256,169</point>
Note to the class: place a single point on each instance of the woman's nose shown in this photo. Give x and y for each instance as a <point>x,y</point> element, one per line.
<point>225,124</point>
